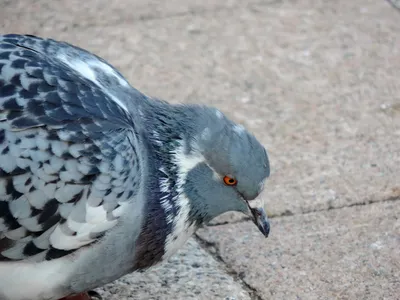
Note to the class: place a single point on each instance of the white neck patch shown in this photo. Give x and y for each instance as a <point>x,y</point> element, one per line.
<point>181,230</point>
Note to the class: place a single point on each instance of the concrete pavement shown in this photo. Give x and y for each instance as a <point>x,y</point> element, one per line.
<point>318,83</point>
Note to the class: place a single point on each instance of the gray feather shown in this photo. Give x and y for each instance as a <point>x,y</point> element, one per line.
<point>64,143</point>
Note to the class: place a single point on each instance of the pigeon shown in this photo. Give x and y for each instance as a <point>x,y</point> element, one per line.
<point>98,180</point>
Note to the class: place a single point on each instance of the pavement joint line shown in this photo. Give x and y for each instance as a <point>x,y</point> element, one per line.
<point>291,214</point>
<point>237,277</point>
<point>150,17</point>
<point>190,12</point>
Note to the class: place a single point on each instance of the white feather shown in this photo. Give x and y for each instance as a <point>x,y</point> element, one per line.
<point>95,214</point>
<point>104,167</point>
<point>104,226</point>
<point>16,251</point>
<point>56,163</point>
<point>8,163</point>
<point>60,240</point>
<point>75,149</point>
<point>71,165</point>
<point>16,234</point>
<point>16,150</point>
<point>110,71</point>
<point>119,210</point>
<point>39,155</point>
<point>50,190</point>
<point>20,208</point>
<point>104,178</point>
<point>27,81</point>
<point>31,224</point>
<point>70,175</point>
<point>23,162</point>
<point>100,185</point>
<point>86,70</point>
<point>118,163</point>
<point>42,241</point>
<point>19,183</point>
<point>42,143</point>
<point>27,143</point>
<point>65,209</point>
<point>43,175</point>
<point>37,199</point>
<point>58,147</point>
<point>67,192</point>
<point>84,168</point>
<point>81,67</point>
<point>181,230</point>
<point>7,72</point>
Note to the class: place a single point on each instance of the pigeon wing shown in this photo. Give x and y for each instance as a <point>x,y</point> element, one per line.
<point>68,164</point>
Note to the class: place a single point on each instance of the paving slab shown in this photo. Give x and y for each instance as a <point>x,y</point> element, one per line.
<point>316,81</point>
<point>68,15</point>
<point>191,274</point>
<point>349,253</point>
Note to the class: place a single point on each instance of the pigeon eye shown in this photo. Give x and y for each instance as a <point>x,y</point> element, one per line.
<point>230,181</point>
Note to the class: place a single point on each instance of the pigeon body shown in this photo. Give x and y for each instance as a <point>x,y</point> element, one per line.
<point>97,179</point>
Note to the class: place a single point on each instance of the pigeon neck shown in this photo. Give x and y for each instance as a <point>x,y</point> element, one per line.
<point>171,132</point>
<point>167,225</point>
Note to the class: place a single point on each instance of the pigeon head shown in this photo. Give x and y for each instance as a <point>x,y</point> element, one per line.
<point>222,167</point>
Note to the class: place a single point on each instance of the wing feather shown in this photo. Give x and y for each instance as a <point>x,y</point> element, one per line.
<point>67,160</point>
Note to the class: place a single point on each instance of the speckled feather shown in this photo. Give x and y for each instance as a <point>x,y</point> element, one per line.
<point>66,158</point>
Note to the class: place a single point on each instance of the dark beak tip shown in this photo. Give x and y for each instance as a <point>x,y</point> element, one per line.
<point>261,220</point>
<point>266,230</point>
<point>264,227</point>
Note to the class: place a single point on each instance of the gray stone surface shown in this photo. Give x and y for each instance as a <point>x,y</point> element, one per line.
<point>68,15</point>
<point>191,274</point>
<point>349,253</point>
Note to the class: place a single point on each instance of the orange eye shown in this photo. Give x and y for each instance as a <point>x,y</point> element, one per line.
<point>230,181</point>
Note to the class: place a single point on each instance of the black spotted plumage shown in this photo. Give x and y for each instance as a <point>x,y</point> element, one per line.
<point>63,141</point>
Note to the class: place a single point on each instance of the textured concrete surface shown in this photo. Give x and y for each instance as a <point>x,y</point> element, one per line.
<point>316,81</point>
<point>349,253</point>
<point>191,274</point>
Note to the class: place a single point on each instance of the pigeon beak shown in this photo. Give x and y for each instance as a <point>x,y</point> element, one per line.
<point>259,216</point>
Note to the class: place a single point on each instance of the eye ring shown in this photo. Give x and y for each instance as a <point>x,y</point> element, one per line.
<point>230,181</point>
